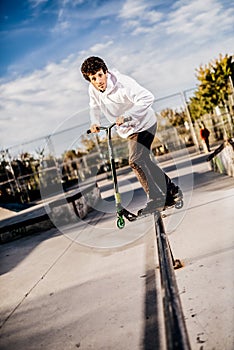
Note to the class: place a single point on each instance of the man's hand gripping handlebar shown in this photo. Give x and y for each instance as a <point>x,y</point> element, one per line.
<point>120,120</point>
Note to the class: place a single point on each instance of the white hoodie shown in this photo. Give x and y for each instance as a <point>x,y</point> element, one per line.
<point>123,97</point>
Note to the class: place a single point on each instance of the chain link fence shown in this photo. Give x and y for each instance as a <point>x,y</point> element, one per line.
<point>69,156</point>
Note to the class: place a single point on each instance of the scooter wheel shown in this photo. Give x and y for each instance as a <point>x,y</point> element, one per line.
<point>179,204</point>
<point>120,222</point>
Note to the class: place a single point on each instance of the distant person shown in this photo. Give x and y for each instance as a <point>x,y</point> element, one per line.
<point>118,96</point>
<point>204,133</point>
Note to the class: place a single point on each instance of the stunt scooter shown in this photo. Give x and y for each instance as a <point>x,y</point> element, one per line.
<point>122,212</point>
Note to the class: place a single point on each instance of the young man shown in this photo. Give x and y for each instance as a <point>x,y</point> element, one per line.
<point>118,96</point>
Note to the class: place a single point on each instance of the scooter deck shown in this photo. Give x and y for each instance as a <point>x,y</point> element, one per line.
<point>124,213</point>
<point>178,203</point>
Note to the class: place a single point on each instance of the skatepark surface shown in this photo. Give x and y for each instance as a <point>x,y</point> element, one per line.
<point>89,285</point>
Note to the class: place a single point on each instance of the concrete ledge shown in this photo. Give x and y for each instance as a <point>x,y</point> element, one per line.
<point>59,210</point>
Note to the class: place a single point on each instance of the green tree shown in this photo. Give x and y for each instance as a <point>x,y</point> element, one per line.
<point>214,86</point>
<point>171,118</point>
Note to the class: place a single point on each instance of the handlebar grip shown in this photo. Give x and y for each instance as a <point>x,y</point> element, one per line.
<point>89,131</point>
<point>127,119</point>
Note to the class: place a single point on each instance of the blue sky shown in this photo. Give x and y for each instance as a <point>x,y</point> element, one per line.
<point>43,43</point>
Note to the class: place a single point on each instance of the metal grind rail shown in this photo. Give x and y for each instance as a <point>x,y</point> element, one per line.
<point>175,328</point>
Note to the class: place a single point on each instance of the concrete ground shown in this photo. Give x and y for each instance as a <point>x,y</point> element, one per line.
<point>93,286</point>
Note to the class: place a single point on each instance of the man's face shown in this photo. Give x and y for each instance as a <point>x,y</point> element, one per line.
<point>99,80</point>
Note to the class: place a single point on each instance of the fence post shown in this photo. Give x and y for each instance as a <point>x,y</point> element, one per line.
<point>194,136</point>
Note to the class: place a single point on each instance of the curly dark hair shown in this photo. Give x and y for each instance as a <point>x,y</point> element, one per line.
<point>92,65</point>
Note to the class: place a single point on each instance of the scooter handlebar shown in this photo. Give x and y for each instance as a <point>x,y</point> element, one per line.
<point>89,131</point>
<point>127,119</point>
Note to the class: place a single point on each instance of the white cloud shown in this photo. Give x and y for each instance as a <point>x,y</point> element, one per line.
<point>199,18</point>
<point>101,47</point>
<point>132,9</point>
<point>139,15</point>
<point>153,17</point>
<point>36,3</point>
<point>195,19</point>
<point>35,105</point>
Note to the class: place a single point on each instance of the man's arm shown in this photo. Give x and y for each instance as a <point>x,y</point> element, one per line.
<point>141,98</point>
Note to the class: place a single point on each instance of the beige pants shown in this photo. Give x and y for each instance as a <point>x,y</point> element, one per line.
<point>152,178</point>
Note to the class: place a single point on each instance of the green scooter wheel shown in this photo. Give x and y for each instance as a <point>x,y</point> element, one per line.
<point>120,222</point>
